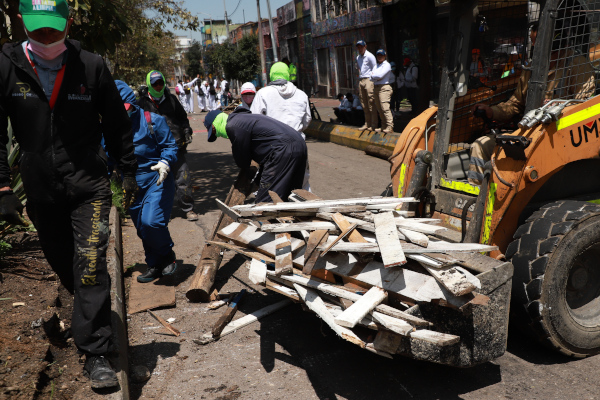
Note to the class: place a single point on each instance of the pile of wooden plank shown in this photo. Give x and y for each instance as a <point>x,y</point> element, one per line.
<point>360,264</point>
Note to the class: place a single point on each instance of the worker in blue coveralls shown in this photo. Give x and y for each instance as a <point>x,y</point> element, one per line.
<point>156,150</point>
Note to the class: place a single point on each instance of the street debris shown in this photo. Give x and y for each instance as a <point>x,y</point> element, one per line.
<point>164,323</point>
<point>356,263</point>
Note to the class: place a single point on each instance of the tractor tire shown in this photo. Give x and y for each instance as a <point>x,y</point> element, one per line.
<point>556,283</point>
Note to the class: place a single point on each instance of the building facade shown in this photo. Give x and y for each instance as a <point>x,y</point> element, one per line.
<point>295,41</point>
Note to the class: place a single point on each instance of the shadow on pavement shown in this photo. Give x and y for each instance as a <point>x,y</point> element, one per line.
<point>147,355</point>
<point>338,369</point>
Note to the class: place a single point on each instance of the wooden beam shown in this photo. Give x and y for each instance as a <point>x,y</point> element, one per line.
<point>323,203</point>
<point>244,321</point>
<point>227,315</point>
<point>388,342</point>
<point>315,303</point>
<point>440,339</point>
<point>284,290</point>
<point>312,254</point>
<point>357,311</point>
<point>246,235</point>
<point>414,237</point>
<point>347,232</point>
<point>299,226</point>
<point>388,240</point>
<point>306,195</point>
<point>275,197</point>
<point>455,279</point>
<point>244,251</point>
<point>210,259</point>
<point>344,225</point>
<point>393,324</point>
<point>433,247</point>
<point>231,213</point>
<point>338,291</point>
<point>283,254</point>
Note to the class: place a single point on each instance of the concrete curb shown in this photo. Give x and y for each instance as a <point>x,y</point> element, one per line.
<point>350,136</point>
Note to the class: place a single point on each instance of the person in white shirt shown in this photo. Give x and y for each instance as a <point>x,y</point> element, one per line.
<point>201,96</point>
<point>179,90</point>
<point>187,89</point>
<point>224,92</point>
<point>411,77</point>
<point>211,96</point>
<point>381,77</point>
<point>336,110</point>
<point>283,101</point>
<point>366,64</point>
<point>351,111</point>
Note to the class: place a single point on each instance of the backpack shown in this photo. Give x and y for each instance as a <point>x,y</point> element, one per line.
<point>148,116</point>
<point>212,90</point>
<point>177,90</point>
<point>186,89</point>
<point>227,86</point>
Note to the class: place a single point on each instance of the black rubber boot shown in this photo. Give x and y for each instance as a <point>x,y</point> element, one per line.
<point>151,274</point>
<point>101,375</point>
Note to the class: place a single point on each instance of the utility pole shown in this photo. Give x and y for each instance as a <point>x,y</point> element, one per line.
<point>226,23</point>
<point>273,38</point>
<point>263,64</point>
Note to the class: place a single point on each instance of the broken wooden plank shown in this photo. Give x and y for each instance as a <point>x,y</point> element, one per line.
<point>244,251</point>
<point>283,254</point>
<point>433,247</point>
<point>284,290</point>
<point>246,235</point>
<point>372,349</point>
<point>388,240</point>
<point>387,342</point>
<point>164,323</point>
<point>213,305</point>
<point>275,197</point>
<point>244,321</point>
<point>455,279</point>
<point>407,223</point>
<point>343,293</point>
<point>315,303</point>
<point>299,226</point>
<point>366,322</point>
<point>312,254</point>
<point>414,237</point>
<point>227,210</point>
<point>228,314</point>
<point>344,225</point>
<point>306,195</point>
<point>357,311</point>
<point>344,234</point>
<point>258,272</point>
<point>323,203</point>
<point>410,284</point>
<point>367,226</point>
<point>393,324</point>
<point>440,339</point>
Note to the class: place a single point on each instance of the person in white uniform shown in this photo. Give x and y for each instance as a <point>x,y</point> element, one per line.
<point>179,90</point>
<point>283,101</point>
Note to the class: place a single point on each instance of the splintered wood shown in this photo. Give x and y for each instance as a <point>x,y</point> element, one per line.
<point>359,264</point>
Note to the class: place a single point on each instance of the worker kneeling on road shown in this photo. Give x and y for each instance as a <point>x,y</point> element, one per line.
<point>279,150</point>
<point>156,151</point>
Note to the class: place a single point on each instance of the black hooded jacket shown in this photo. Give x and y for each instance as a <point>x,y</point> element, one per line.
<point>173,112</point>
<point>60,148</point>
<point>256,137</point>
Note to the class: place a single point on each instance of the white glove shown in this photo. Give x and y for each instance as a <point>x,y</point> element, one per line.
<point>163,170</point>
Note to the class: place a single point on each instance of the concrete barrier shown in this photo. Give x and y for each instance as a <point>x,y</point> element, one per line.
<point>350,136</point>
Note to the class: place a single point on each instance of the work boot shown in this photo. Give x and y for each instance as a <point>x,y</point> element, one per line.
<point>364,127</point>
<point>151,274</point>
<point>170,269</point>
<point>101,375</point>
<point>191,216</point>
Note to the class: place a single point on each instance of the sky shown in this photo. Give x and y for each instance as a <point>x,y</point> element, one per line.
<point>214,8</point>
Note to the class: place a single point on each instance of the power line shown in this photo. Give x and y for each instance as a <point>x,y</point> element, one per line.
<point>236,7</point>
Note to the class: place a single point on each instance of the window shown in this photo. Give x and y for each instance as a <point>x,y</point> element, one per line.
<point>345,67</point>
<point>323,66</point>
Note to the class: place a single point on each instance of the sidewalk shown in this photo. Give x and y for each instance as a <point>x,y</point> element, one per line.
<point>351,136</point>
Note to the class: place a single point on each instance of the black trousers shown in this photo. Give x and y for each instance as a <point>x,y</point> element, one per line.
<point>183,182</point>
<point>74,238</point>
<point>283,171</point>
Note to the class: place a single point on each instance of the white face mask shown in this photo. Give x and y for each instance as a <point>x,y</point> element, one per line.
<point>48,51</point>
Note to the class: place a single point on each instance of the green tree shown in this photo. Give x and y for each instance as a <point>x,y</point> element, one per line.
<point>194,59</point>
<point>240,61</point>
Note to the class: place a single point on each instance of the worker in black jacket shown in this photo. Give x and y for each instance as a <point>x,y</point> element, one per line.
<point>160,100</point>
<point>276,147</point>
<point>55,94</point>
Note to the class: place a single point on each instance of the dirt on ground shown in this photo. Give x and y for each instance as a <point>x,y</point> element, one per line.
<point>38,359</point>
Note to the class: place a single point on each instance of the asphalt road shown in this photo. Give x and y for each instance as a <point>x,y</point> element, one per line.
<point>291,354</point>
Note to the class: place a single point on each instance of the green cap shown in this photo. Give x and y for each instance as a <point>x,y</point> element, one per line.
<point>44,14</point>
<point>279,70</point>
